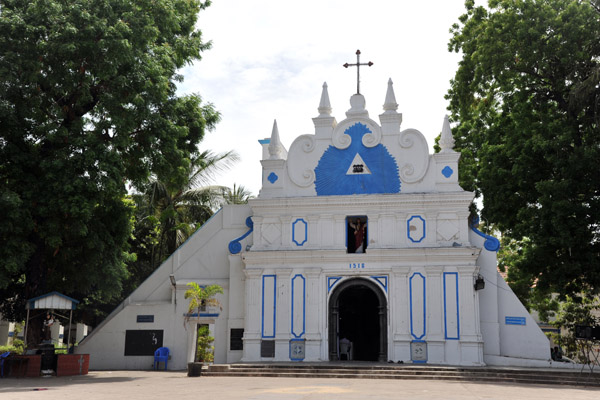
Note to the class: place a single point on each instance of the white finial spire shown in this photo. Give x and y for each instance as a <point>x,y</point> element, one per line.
<point>446,140</point>
<point>275,147</point>
<point>324,105</point>
<point>390,98</point>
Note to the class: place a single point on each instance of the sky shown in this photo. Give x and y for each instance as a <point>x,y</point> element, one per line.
<point>270,58</point>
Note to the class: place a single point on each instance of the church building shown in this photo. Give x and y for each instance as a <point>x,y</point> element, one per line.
<point>359,247</point>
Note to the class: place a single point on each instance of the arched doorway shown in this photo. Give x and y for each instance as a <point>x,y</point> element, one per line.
<point>358,313</point>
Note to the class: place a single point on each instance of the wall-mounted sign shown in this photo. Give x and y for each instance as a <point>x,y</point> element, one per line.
<point>515,321</point>
<point>145,318</point>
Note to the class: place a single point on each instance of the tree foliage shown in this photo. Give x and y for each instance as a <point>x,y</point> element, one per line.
<point>526,100</point>
<point>168,212</point>
<point>200,296</point>
<point>582,311</point>
<point>88,104</point>
<point>236,195</point>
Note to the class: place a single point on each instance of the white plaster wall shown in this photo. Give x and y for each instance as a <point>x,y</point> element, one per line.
<point>504,344</point>
<point>6,328</point>
<point>204,259</point>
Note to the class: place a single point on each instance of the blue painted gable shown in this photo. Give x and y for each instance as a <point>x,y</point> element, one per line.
<point>331,173</point>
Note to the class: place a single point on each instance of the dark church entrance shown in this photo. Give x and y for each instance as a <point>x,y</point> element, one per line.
<point>357,322</point>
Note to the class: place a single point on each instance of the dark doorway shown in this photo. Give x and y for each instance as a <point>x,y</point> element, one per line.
<point>358,313</point>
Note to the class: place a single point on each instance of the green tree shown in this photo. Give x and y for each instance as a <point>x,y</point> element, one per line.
<point>201,296</point>
<point>236,195</point>
<point>526,102</point>
<point>88,104</point>
<point>570,314</point>
<point>169,212</point>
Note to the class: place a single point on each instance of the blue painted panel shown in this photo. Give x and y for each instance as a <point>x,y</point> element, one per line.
<point>418,351</point>
<point>515,321</point>
<point>331,176</point>
<point>297,349</point>
<point>272,177</point>
<point>269,306</point>
<point>298,306</point>
<point>451,307</point>
<point>447,171</point>
<point>417,233</point>
<point>299,232</point>
<point>418,309</point>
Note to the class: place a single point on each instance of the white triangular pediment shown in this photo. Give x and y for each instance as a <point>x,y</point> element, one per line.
<point>358,166</point>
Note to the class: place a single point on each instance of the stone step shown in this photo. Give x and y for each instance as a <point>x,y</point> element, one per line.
<point>348,371</point>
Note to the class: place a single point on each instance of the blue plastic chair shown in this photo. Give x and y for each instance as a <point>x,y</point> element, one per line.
<point>2,358</point>
<point>161,354</point>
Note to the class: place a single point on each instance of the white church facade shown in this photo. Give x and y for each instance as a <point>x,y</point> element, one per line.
<point>358,247</point>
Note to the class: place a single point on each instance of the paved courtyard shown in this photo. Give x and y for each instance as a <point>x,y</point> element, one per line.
<point>133,385</point>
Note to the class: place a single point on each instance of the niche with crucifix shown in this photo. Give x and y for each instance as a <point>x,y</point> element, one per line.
<point>356,234</point>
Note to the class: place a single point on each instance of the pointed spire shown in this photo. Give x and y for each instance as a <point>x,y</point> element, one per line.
<point>324,106</point>
<point>275,147</point>
<point>390,98</point>
<point>446,140</point>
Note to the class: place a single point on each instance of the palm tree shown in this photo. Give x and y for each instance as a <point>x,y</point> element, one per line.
<point>237,195</point>
<point>181,208</point>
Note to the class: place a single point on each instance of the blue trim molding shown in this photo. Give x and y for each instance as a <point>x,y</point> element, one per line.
<point>491,243</point>
<point>303,296</point>
<point>235,246</point>
<point>456,317</point>
<point>382,280</point>
<point>447,171</point>
<point>295,236</point>
<point>331,281</point>
<point>268,335</point>
<point>415,276</point>
<point>409,233</point>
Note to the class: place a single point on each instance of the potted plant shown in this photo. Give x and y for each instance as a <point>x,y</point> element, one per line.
<point>202,298</point>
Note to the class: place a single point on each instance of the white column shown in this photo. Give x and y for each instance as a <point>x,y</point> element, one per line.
<point>399,314</point>
<point>373,232</point>
<point>286,231</point>
<point>470,337</point>
<point>314,237</point>
<point>435,315</point>
<point>339,231</point>
<point>283,312</point>
<point>315,309</point>
<point>252,334</point>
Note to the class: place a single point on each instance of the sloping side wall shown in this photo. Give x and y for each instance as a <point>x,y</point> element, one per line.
<point>510,334</point>
<point>203,259</point>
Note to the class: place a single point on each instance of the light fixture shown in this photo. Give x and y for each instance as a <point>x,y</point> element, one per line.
<point>172,278</point>
<point>479,283</point>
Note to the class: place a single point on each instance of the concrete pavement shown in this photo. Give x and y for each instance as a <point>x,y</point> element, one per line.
<point>133,385</point>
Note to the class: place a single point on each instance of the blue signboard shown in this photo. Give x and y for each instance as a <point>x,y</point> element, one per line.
<point>514,320</point>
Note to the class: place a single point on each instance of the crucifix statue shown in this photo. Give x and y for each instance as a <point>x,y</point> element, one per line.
<point>357,65</point>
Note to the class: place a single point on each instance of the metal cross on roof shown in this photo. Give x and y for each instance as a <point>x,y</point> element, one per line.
<point>357,65</point>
